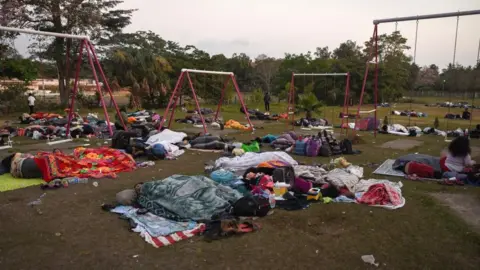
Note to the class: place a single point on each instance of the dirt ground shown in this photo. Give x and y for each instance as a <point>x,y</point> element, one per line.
<point>72,232</point>
<point>465,205</point>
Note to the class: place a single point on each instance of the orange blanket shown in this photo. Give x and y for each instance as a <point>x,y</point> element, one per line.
<point>84,163</point>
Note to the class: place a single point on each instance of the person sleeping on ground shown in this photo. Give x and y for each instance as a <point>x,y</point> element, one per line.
<point>210,142</point>
<point>454,166</point>
<point>22,165</point>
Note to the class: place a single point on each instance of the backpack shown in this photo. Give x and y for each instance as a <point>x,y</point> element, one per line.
<point>300,148</point>
<point>251,206</point>
<point>335,148</point>
<point>347,147</point>
<point>325,150</point>
<point>313,147</point>
<point>121,139</point>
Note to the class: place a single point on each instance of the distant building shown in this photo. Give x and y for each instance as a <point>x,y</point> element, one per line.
<point>51,84</point>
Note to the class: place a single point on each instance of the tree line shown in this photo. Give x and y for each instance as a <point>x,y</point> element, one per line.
<point>149,65</point>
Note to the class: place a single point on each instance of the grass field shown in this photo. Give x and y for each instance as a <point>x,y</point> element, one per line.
<point>425,234</point>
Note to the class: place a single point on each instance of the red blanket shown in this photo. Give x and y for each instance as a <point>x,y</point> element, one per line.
<point>84,163</point>
<point>381,194</point>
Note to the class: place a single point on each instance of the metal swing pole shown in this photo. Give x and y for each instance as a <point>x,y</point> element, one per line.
<point>414,62</point>
<point>97,83</point>
<point>172,97</point>
<point>104,78</point>
<point>454,66</point>
<point>474,84</point>
<point>222,96</point>
<point>365,76</point>
<point>75,86</point>
<point>291,94</point>
<point>196,102</point>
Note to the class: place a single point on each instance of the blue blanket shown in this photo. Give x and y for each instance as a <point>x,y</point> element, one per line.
<point>182,197</point>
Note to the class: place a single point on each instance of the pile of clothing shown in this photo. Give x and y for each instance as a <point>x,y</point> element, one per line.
<point>311,123</point>
<point>397,129</point>
<point>411,113</point>
<point>203,111</point>
<point>50,126</point>
<point>178,207</point>
<point>264,116</point>
<point>240,189</point>
<point>236,125</point>
<point>193,119</point>
<point>323,144</point>
<point>143,116</point>
<point>155,145</point>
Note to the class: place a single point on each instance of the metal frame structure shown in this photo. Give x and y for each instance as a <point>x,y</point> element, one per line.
<point>291,94</point>
<point>374,49</point>
<point>172,103</point>
<point>86,45</point>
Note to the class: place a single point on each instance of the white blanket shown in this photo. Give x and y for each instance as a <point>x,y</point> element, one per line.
<point>168,139</point>
<point>250,159</point>
<point>166,136</point>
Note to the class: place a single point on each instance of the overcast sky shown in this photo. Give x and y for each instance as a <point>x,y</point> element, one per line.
<point>274,27</point>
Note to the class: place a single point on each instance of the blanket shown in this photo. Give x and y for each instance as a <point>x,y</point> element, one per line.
<point>241,163</point>
<point>384,194</point>
<point>313,173</point>
<point>166,137</point>
<point>236,125</point>
<point>342,178</point>
<point>162,241</point>
<point>431,161</point>
<point>155,226</point>
<point>84,163</point>
<point>8,182</point>
<point>184,198</point>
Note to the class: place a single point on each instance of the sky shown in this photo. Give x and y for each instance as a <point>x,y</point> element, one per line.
<point>273,27</point>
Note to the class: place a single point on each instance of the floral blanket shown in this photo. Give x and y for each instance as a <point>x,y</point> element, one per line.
<point>84,162</point>
<point>183,198</point>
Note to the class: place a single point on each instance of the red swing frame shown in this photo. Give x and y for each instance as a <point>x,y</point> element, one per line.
<point>87,45</point>
<point>172,103</point>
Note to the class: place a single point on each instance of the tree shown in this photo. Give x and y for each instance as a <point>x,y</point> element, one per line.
<point>309,103</point>
<point>427,77</point>
<point>97,19</point>
<point>322,53</point>
<point>22,69</point>
<point>266,69</point>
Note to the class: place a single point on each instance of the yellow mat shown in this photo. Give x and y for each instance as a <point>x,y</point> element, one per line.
<point>7,182</point>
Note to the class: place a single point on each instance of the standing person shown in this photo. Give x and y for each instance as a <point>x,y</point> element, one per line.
<point>266,100</point>
<point>31,102</point>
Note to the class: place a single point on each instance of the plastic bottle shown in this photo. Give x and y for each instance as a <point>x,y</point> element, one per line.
<point>76,180</point>
<point>271,200</point>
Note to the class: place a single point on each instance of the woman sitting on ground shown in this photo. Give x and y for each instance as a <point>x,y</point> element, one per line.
<point>457,160</point>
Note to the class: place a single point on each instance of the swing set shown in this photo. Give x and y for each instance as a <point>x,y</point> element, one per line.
<point>85,44</point>
<point>172,103</point>
<point>375,55</point>
<point>291,94</point>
